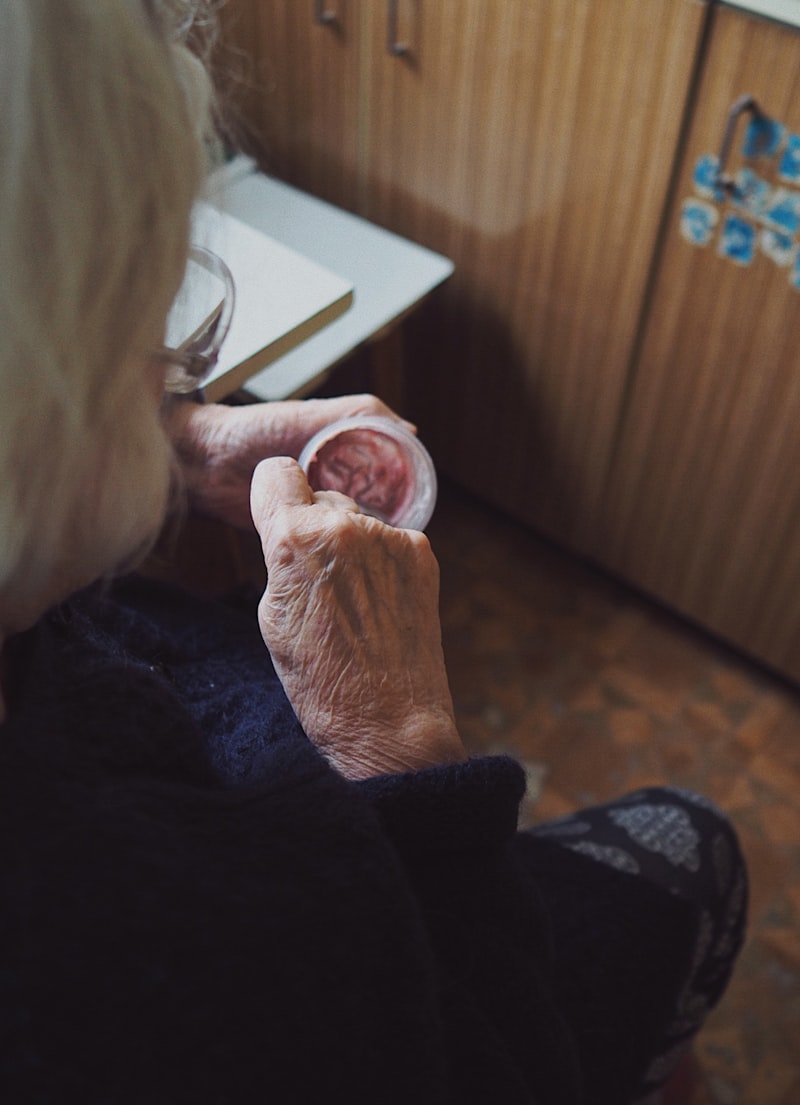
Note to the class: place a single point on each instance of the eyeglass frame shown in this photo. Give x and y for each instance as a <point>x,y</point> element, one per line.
<point>189,367</point>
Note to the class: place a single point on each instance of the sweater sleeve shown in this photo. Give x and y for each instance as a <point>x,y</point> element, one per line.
<point>454,830</point>
<point>450,809</point>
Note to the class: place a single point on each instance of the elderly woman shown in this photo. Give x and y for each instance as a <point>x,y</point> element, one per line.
<point>231,872</point>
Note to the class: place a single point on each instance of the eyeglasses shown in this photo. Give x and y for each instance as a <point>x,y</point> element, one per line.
<point>202,310</point>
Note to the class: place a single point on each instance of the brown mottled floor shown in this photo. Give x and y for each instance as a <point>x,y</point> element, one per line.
<point>597,692</point>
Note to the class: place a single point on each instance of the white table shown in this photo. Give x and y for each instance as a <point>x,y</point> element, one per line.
<point>784,11</point>
<point>390,275</point>
<point>281,297</point>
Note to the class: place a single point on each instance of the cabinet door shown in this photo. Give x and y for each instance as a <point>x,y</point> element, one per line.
<point>704,504</point>
<point>296,90</point>
<point>533,144</point>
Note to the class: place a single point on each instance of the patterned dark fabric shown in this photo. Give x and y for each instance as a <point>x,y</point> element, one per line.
<point>680,844</point>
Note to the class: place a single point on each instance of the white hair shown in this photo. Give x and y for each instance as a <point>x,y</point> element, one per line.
<point>100,162</point>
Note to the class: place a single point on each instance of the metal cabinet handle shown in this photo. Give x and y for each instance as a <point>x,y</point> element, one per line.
<point>744,105</point>
<point>393,45</point>
<point>321,14</point>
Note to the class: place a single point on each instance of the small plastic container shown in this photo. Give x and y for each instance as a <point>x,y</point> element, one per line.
<point>378,463</point>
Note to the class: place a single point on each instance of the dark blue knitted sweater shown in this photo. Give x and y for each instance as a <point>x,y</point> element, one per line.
<point>195,908</point>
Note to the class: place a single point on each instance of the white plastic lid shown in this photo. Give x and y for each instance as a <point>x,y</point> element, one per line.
<point>378,463</point>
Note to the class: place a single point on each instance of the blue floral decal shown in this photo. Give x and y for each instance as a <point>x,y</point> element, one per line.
<point>783,211</point>
<point>698,220</point>
<point>751,193</point>
<point>789,168</point>
<point>738,240</point>
<point>705,178</point>
<point>752,214</point>
<point>780,248</point>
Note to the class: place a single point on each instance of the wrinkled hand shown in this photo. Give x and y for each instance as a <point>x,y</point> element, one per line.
<point>218,447</point>
<point>350,616</point>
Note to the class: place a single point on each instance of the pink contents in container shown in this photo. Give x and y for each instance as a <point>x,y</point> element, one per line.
<point>378,463</point>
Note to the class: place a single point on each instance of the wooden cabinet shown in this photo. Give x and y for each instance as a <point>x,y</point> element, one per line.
<point>587,369</point>
<point>292,78</point>
<point>703,507</point>
<point>533,144</point>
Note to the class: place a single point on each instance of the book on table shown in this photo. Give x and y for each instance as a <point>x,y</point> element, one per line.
<point>281,298</point>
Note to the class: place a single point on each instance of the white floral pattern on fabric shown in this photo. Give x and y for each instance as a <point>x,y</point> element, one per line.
<point>692,1006</point>
<point>665,830</point>
<point>681,843</point>
<point>704,937</point>
<point>693,1011</point>
<point>731,932</point>
<point>605,853</point>
<point>695,798</point>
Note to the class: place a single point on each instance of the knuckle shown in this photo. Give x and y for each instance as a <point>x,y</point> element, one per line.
<point>282,550</point>
<point>421,547</point>
<point>279,463</point>
<point>371,404</point>
<point>337,499</point>
<point>419,541</point>
<point>345,529</point>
